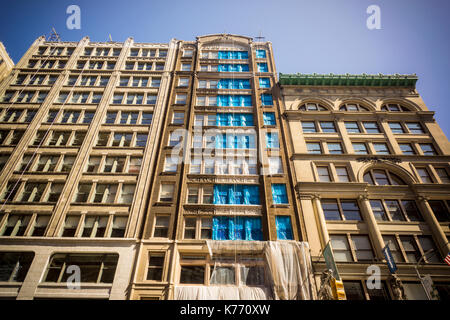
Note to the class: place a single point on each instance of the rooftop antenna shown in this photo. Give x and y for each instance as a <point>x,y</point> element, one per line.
<point>110,38</point>
<point>260,37</point>
<point>54,36</point>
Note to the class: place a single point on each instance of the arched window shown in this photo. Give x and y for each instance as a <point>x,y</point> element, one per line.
<point>352,107</point>
<point>382,177</point>
<point>311,106</point>
<point>394,107</point>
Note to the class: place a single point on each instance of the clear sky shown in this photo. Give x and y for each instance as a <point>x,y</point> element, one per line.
<point>308,36</point>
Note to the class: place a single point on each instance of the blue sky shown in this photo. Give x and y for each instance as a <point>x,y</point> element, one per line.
<point>308,36</point>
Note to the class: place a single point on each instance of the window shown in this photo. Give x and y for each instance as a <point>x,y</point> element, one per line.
<point>341,248</point>
<point>440,210</point>
<point>166,192</point>
<point>354,290</point>
<point>381,148</point>
<point>391,241</point>
<point>327,126</point>
<point>424,175</point>
<point>188,53</point>
<point>443,175</point>
<point>428,149</point>
<point>378,210</point>
<point>105,193</point>
<point>284,228</point>
<point>324,174</point>
<point>352,107</point>
<point>155,266</point>
<point>275,165</point>
<point>272,140</point>
<point>407,149</point>
<point>185,67</point>
<point>414,127</point>
<point>83,192</point>
<point>411,210</point>
<point>266,100</point>
<point>236,228</point>
<point>279,194</point>
<point>264,82</point>
<point>337,209</point>
<point>309,126</point>
<point>95,268</point>
<point>14,266</point>
<point>312,107</point>
<point>127,193</point>
<point>314,147</point>
<point>178,118</point>
<point>342,174</point>
<point>360,148</point>
<point>15,225</point>
<point>382,177</point>
<point>335,148</point>
<point>396,127</point>
<point>363,248</point>
<point>192,274</point>
<point>118,227</point>
<point>236,194</point>
<point>180,99</point>
<point>189,228</point>
<point>394,107</point>
<point>262,67</point>
<point>94,226</point>
<point>411,249</point>
<point>171,164</point>
<point>269,118</point>
<point>161,229</point>
<point>183,82</point>
<point>431,252</point>
<point>32,192</point>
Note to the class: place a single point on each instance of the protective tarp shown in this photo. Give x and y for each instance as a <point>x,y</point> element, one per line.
<point>235,100</point>
<point>220,293</point>
<point>287,262</point>
<point>236,228</point>
<point>236,194</point>
<point>291,270</point>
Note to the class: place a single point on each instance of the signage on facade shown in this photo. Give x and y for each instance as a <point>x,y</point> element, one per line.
<point>329,260</point>
<point>389,259</point>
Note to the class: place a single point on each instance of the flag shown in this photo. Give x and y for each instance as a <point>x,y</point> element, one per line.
<point>447,259</point>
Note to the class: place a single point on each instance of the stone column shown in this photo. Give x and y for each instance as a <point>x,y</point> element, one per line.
<point>322,225</point>
<point>438,233</point>
<point>374,231</point>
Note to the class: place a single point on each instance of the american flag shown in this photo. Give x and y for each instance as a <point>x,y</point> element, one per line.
<point>447,259</point>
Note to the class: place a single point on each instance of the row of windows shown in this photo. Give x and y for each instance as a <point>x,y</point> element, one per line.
<point>70,116</point>
<point>123,117</point>
<point>140,82</point>
<point>47,64</point>
<point>232,119</point>
<point>113,164</point>
<point>234,166</point>
<point>339,173</point>
<point>152,53</point>
<point>136,98</point>
<point>24,96</point>
<point>104,193</point>
<point>363,148</point>
<point>404,248</point>
<point>55,138</point>
<point>369,127</point>
<point>147,66</point>
<point>231,83</point>
<point>30,191</point>
<point>226,67</point>
<point>94,268</point>
<point>55,51</point>
<point>10,137</point>
<point>36,79</point>
<point>100,81</point>
<point>79,97</point>
<point>211,54</point>
<point>121,139</point>
<point>353,107</point>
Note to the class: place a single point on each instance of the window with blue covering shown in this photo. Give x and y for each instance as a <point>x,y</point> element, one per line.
<point>284,228</point>
<point>266,99</point>
<point>236,228</point>
<point>236,194</point>
<point>234,119</point>
<point>269,118</point>
<point>262,67</point>
<point>233,55</point>
<point>279,193</point>
<point>227,100</point>
<point>260,53</point>
<point>272,140</point>
<point>264,82</point>
<point>235,141</point>
<point>232,67</point>
<point>233,84</point>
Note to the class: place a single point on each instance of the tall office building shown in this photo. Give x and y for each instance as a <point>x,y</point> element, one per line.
<point>79,126</point>
<point>222,175</point>
<point>371,167</point>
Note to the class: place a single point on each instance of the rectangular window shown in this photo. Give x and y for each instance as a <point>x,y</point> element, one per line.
<point>275,165</point>
<point>342,174</point>
<point>391,241</point>
<point>363,248</point>
<point>260,53</point>
<point>161,227</point>
<point>314,147</point>
<point>424,175</point>
<point>264,82</point>
<point>414,127</point>
<point>440,210</point>
<point>381,148</point>
<point>396,127</point>
<point>180,99</point>
<point>309,126</point>
<point>266,100</point>
<point>272,140</point>
<point>324,174</point>
<point>279,194</point>
<point>14,266</point>
<point>412,211</point>
<point>360,148</point>
<point>155,266</point>
<point>378,210</point>
<point>428,149</point>
<point>371,127</point>
<point>284,228</point>
<point>407,148</point>
<point>95,268</point>
<point>350,210</point>
<point>166,192</point>
<point>178,118</point>
<point>327,126</point>
<point>189,228</point>
<point>269,118</point>
<point>262,67</point>
<point>335,148</point>
<point>443,175</point>
<point>395,210</point>
<point>341,248</point>
<point>192,274</point>
<point>411,250</point>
